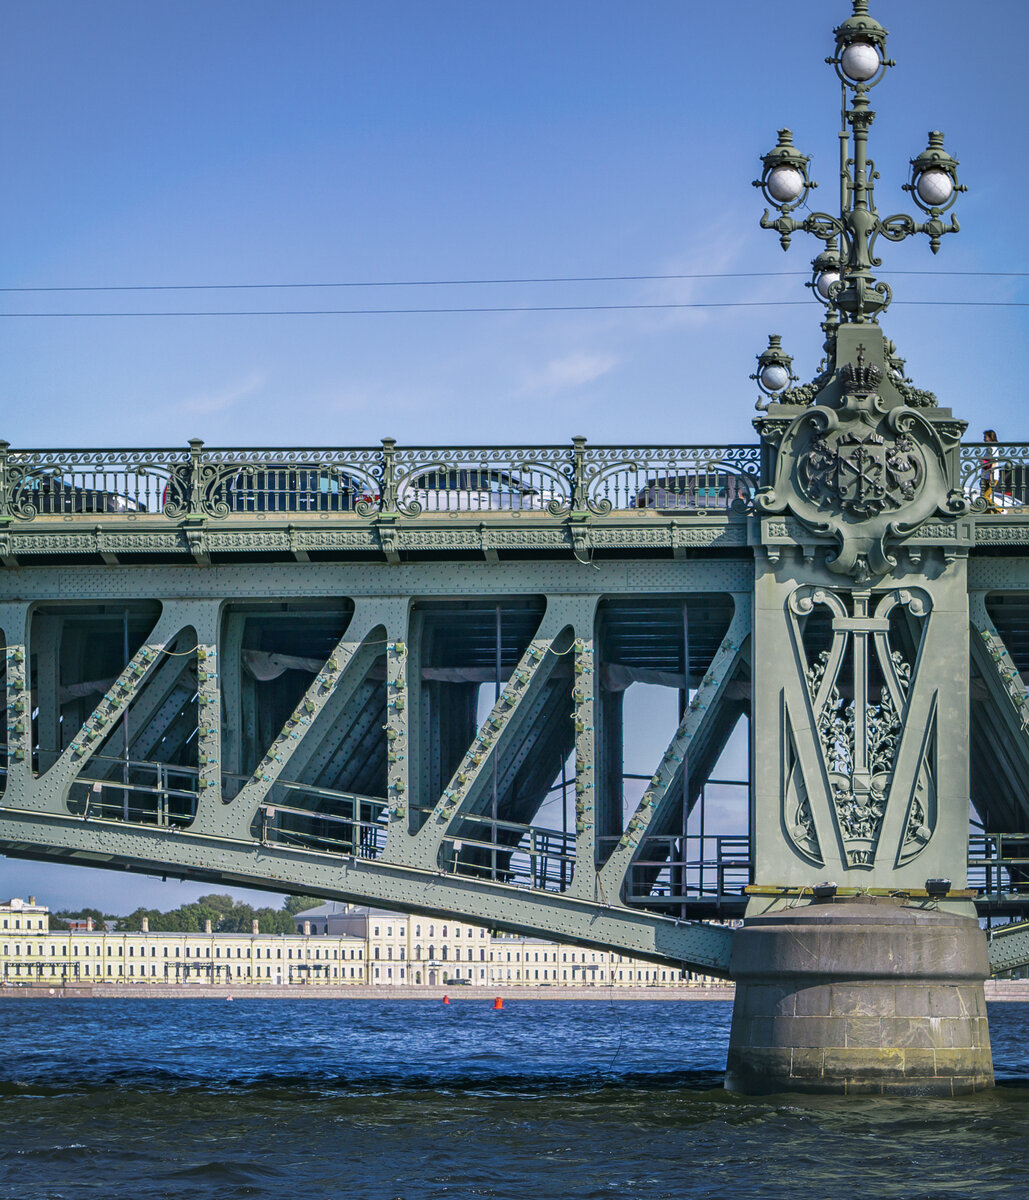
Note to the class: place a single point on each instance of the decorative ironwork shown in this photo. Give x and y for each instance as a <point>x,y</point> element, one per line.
<point>200,484</point>
<point>859,464</point>
<point>994,476</point>
<point>859,734</point>
<point>860,62</point>
<point>862,474</point>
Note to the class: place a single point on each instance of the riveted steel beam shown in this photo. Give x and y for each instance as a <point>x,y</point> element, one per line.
<point>195,855</point>
<point>1009,947</point>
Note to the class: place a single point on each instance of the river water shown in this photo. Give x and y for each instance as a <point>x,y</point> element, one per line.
<point>373,1100</point>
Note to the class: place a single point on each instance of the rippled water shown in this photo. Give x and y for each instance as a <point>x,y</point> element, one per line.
<point>378,1100</point>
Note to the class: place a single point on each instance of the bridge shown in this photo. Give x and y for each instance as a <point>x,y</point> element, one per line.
<point>399,675</point>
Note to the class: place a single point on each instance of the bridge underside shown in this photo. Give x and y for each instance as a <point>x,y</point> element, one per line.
<point>437,737</point>
<point>442,736</point>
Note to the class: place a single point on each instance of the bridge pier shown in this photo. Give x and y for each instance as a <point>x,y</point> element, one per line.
<point>860,996</point>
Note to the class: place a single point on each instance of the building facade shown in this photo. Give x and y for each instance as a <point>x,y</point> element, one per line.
<point>335,944</point>
<point>30,952</point>
<point>403,949</point>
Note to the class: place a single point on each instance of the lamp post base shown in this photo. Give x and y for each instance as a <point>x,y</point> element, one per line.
<point>859,996</point>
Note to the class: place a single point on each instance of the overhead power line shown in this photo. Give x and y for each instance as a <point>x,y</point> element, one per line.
<point>225,287</point>
<point>524,308</point>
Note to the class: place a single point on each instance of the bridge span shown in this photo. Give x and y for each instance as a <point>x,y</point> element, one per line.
<point>398,674</point>
<point>268,667</point>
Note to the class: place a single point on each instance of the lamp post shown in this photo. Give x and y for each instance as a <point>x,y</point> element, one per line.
<point>861,519</point>
<point>843,272</point>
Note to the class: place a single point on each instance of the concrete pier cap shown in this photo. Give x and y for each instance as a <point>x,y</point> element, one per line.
<point>859,995</point>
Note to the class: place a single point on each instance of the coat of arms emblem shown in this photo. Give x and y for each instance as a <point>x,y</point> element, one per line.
<point>862,467</point>
<point>862,473</point>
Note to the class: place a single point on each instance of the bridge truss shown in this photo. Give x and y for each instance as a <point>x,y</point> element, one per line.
<point>398,675</point>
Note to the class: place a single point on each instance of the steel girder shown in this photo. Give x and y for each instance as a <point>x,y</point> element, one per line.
<point>1009,947</point>
<point>416,864</point>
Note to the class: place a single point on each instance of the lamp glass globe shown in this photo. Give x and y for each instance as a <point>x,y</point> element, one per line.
<point>785,184</point>
<point>934,187</point>
<point>775,377</point>
<point>860,61</point>
<point>824,281</point>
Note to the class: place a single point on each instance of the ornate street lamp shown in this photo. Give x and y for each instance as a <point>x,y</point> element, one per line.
<point>774,370</point>
<point>825,272</point>
<point>843,277</point>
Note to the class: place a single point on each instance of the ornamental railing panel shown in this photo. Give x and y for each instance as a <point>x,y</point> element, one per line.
<point>86,482</point>
<point>995,475</point>
<point>200,483</point>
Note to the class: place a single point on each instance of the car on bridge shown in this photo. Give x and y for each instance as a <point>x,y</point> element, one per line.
<point>474,489</point>
<point>292,488</point>
<point>694,491</point>
<point>49,493</point>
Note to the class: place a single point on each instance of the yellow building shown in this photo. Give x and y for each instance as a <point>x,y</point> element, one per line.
<point>31,953</point>
<point>335,944</point>
<point>406,949</point>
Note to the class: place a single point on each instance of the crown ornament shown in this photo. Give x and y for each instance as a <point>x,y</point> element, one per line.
<point>860,378</point>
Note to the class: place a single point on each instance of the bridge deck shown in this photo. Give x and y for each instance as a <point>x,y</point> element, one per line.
<point>397,674</point>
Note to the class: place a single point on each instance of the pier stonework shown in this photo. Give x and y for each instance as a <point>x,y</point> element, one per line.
<point>860,996</point>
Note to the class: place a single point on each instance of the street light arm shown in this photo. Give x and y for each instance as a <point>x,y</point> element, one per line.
<point>901,226</point>
<point>821,225</point>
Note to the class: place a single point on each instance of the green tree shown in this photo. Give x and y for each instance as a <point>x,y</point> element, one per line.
<point>83,914</point>
<point>225,914</point>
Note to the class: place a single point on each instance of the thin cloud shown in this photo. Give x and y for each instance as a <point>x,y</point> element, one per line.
<point>570,371</point>
<point>205,403</point>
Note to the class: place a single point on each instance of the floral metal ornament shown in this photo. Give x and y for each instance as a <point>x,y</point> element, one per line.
<point>859,727</point>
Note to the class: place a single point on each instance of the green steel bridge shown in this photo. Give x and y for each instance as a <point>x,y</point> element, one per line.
<point>265,667</point>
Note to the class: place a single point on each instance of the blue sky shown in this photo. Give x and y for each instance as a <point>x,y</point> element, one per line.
<point>225,142</point>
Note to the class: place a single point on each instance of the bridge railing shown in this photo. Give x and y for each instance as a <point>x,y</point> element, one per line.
<point>670,869</point>
<point>998,863</point>
<point>995,475</point>
<point>217,483</point>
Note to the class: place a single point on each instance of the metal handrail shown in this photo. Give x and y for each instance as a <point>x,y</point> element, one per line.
<point>366,482</point>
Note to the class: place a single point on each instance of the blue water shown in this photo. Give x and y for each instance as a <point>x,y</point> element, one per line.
<point>412,1100</point>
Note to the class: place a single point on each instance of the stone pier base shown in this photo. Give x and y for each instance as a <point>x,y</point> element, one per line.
<point>859,996</point>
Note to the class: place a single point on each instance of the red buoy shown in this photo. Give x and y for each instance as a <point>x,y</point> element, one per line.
<point>446,999</point>
<point>498,1003</point>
